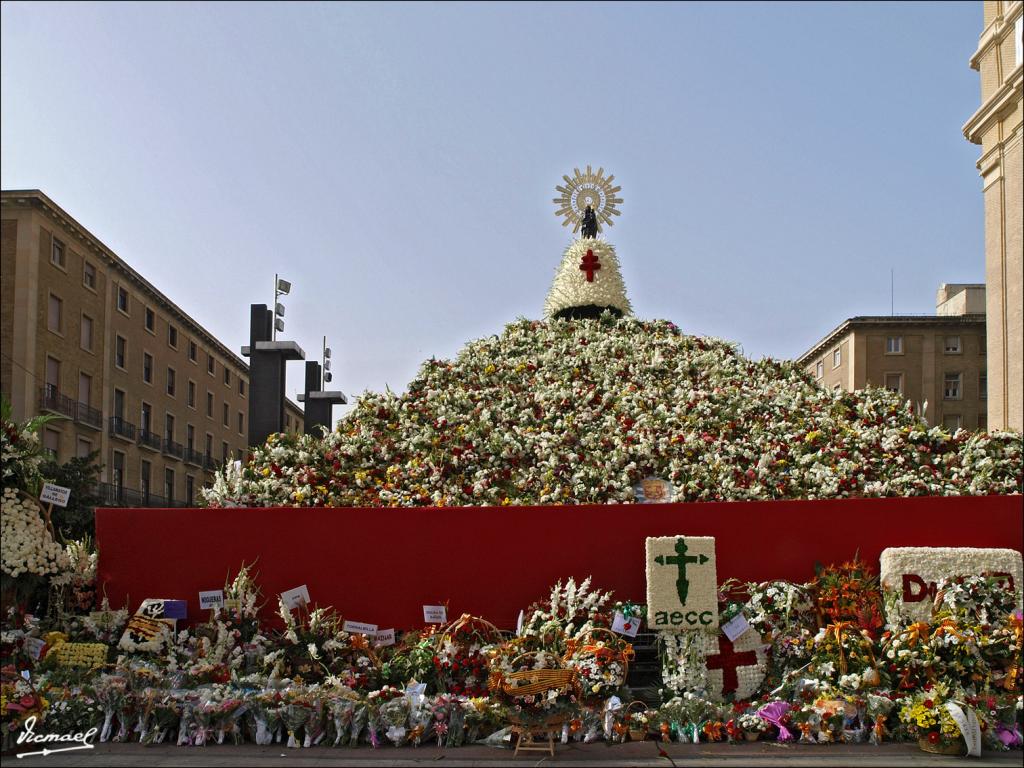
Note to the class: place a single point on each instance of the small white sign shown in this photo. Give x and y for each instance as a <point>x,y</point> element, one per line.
<point>55,494</point>
<point>211,599</point>
<point>736,627</point>
<point>295,598</point>
<point>416,689</point>
<point>34,646</point>
<point>435,614</point>
<point>383,637</point>
<point>628,627</point>
<point>359,627</point>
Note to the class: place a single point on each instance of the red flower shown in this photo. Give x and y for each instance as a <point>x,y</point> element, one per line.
<point>933,737</point>
<point>928,703</point>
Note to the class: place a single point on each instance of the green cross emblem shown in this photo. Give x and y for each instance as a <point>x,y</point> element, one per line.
<point>681,559</point>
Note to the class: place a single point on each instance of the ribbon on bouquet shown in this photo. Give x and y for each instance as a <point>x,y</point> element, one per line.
<point>837,631</point>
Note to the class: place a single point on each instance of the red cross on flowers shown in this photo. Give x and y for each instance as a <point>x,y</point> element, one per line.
<point>727,661</point>
<point>590,265</point>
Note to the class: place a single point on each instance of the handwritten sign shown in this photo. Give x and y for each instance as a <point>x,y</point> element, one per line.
<point>211,599</point>
<point>736,627</point>
<point>55,494</point>
<point>383,637</point>
<point>628,627</point>
<point>359,627</point>
<point>435,614</point>
<point>295,598</point>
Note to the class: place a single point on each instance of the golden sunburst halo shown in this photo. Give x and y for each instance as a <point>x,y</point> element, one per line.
<point>583,189</point>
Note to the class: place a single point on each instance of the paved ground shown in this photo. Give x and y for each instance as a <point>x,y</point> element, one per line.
<point>633,754</point>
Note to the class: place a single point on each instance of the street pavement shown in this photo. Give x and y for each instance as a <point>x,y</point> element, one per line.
<point>639,754</point>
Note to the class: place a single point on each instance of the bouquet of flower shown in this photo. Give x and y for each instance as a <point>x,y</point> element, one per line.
<point>162,714</point>
<point>926,717</point>
<point>105,625</point>
<point>848,593</point>
<point>982,600</point>
<point>570,612</point>
<point>536,686</point>
<point>393,716</point>
<point>266,709</point>
<point>844,655</point>
<point>750,722</point>
<point>483,717</point>
<point>72,711</point>
<point>341,709</point>
<point>601,660</point>
<point>112,694</point>
<point>461,658</point>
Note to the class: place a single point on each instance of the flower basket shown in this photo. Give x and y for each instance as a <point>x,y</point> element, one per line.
<point>636,718</point>
<point>942,748</point>
<point>601,659</point>
<point>460,658</point>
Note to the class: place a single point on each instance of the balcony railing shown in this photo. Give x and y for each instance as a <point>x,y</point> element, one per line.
<point>121,428</point>
<point>208,463</point>
<point>149,439</point>
<point>52,400</point>
<point>192,456</point>
<point>174,449</point>
<point>86,414</point>
<point>111,495</point>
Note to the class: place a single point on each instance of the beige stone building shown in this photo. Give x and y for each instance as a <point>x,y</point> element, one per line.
<point>996,126</point>
<point>939,359</point>
<point>87,337</point>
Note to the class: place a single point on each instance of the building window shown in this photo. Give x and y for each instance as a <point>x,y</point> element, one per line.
<point>241,387</point>
<point>191,394</point>
<point>86,340</point>
<point>983,385</point>
<point>894,381</point>
<point>241,423</point>
<point>55,314</point>
<point>952,345</point>
<point>119,400</point>
<point>170,381</point>
<point>837,357</point>
<point>819,369</point>
<point>57,253</point>
<point>227,376</point>
<point>169,426</point>
<point>147,418</point>
<point>84,448</point>
<point>117,476</point>
<point>84,388</point>
<point>951,389</point>
<point>120,352</point>
<point>150,320</point>
<point>951,421</point>
<point>51,442</point>
<point>287,422</point>
<point>52,375</point>
<point>209,446</point>
<point>894,345</point>
<point>983,422</point>
<point>122,299</point>
<point>226,415</point>
<point>190,437</point>
<point>193,350</point>
<point>209,364</point>
<point>147,367</point>
<point>172,336</point>
<point>224,453</point>
<point>169,484</point>
<point>144,474</point>
<point>190,489</point>
<point>209,404</point>
<point>89,275</point>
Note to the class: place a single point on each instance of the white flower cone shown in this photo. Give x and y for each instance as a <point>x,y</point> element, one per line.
<point>571,287</point>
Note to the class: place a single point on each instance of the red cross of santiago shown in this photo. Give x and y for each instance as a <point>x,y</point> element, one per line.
<point>590,265</point>
<point>728,660</point>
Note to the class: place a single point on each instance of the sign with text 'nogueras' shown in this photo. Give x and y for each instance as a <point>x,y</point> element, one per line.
<point>682,583</point>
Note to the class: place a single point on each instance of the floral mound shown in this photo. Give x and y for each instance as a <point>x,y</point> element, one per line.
<point>575,412</point>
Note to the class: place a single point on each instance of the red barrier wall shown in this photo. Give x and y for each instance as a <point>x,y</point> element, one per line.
<point>382,565</point>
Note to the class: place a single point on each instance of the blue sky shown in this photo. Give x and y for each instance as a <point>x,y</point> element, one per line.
<point>397,162</point>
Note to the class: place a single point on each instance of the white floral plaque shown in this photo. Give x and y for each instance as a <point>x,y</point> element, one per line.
<point>682,583</point>
<point>909,574</point>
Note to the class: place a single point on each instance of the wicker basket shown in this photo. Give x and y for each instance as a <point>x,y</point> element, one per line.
<point>635,733</point>
<point>956,748</point>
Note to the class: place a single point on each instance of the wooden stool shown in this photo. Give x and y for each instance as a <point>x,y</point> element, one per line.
<point>527,741</point>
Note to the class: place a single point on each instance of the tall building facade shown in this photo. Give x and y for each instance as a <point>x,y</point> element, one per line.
<point>996,126</point>
<point>936,359</point>
<point>134,377</point>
